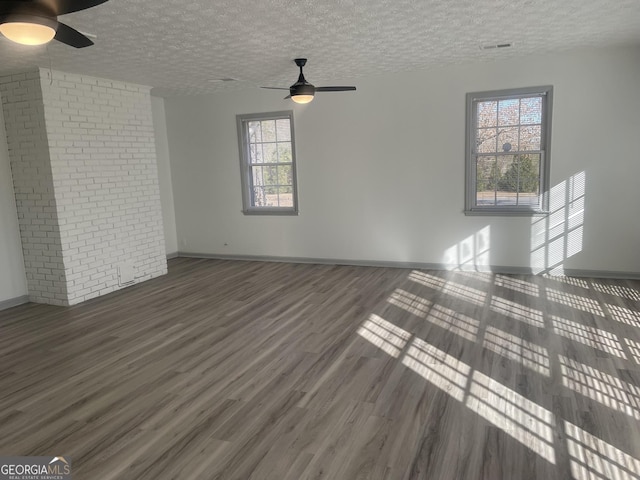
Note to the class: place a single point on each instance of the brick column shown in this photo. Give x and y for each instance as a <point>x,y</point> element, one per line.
<point>83,160</point>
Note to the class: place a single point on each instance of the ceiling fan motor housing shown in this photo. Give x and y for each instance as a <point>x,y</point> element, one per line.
<point>34,12</point>
<point>302,89</point>
<point>40,18</point>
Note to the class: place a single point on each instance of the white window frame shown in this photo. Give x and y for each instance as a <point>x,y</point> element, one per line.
<point>471,207</point>
<point>248,207</point>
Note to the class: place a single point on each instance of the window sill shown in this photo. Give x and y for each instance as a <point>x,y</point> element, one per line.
<point>271,211</point>
<point>507,213</point>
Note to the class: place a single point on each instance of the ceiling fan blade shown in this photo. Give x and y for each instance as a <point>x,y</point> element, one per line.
<point>335,89</point>
<point>63,7</point>
<point>71,36</point>
<point>275,88</point>
<point>287,97</point>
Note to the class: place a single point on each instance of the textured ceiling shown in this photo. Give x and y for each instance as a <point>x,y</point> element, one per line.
<point>187,47</point>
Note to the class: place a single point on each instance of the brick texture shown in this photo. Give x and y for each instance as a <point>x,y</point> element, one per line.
<point>83,159</point>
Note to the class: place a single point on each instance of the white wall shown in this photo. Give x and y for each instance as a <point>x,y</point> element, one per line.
<point>164,175</point>
<point>13,281</point>
<point>381,170</point>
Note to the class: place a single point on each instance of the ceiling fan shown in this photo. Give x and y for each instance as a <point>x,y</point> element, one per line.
<point>302,91</point>
<point>35,22</point>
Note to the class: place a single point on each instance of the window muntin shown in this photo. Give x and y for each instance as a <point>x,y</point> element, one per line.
<point>267,163</point>
<point>507,151</point>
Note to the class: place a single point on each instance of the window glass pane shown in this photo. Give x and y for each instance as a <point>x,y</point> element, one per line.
<point>257,176</point>
<point>285,196</point>
<point>530,137</point>
<point>508,112</point>
<point>487,114</point>
<point>270,152</point>
<point>486,140</point>
<point>518,180</point>
<point>270,175</point>
<point>258,197</point>
<point>271,197</point>
<point>508,139</point>
<point>283,130</point>
<point>529,181</point>
<point>285,175</point>
<point>284,152</point>
<point>507,176</point>
<point>255,153</point>
<point>255,134</point>
<point>268,130</point>
<point>486,180</point>
<point>530,110</point>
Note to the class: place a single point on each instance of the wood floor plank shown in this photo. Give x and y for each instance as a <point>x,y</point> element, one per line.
<point>261,371</point>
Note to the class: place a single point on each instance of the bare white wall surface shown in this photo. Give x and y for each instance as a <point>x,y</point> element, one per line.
<point>164,175</point>
<point>13,282</point>
<point>381,170</point>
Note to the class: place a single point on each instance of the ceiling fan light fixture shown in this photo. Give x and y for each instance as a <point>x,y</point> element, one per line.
<point>302,91</point>
<point>302,98</point>
<point>29,29</point>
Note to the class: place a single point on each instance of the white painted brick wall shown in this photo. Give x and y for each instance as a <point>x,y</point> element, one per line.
<point>33,184</point>
<point>102,182</point>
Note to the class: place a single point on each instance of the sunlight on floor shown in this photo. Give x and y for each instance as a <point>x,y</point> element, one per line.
<point>522,419</point>
<point>530,355</point>
<point>517,311</point>
<point>384,335</point>
<point>517,285</point>
<point>575,301</point>
<point>593,458</point>
<point>576,282</point>
<point>455,322</point>
<point>525,421</point>
<point>411,303</point>
<point>427,280</point>
<point>453,289</point>
<point>439,368</point>
<point>590,336</point>
<point>518,417</point>
<point>634,347</point>
<point>618,290</point>
<point>599,386</point>
<point>625,315</point>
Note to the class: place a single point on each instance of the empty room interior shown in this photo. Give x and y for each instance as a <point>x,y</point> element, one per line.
<point>293,240</point>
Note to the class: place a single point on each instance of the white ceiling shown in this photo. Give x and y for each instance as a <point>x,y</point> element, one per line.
<point>185,47</point>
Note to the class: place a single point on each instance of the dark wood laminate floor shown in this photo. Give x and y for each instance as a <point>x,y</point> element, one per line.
<point>242,370</point>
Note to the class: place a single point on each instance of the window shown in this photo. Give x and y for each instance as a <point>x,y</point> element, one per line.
<point>508,135</point>
<point>267,163</point>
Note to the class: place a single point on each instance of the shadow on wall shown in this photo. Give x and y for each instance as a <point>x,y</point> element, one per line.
<point>554,237</point>
<point>558,236</point>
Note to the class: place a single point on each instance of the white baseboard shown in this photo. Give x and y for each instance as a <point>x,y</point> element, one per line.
<point>13,302</point>
<point>417,265</point>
